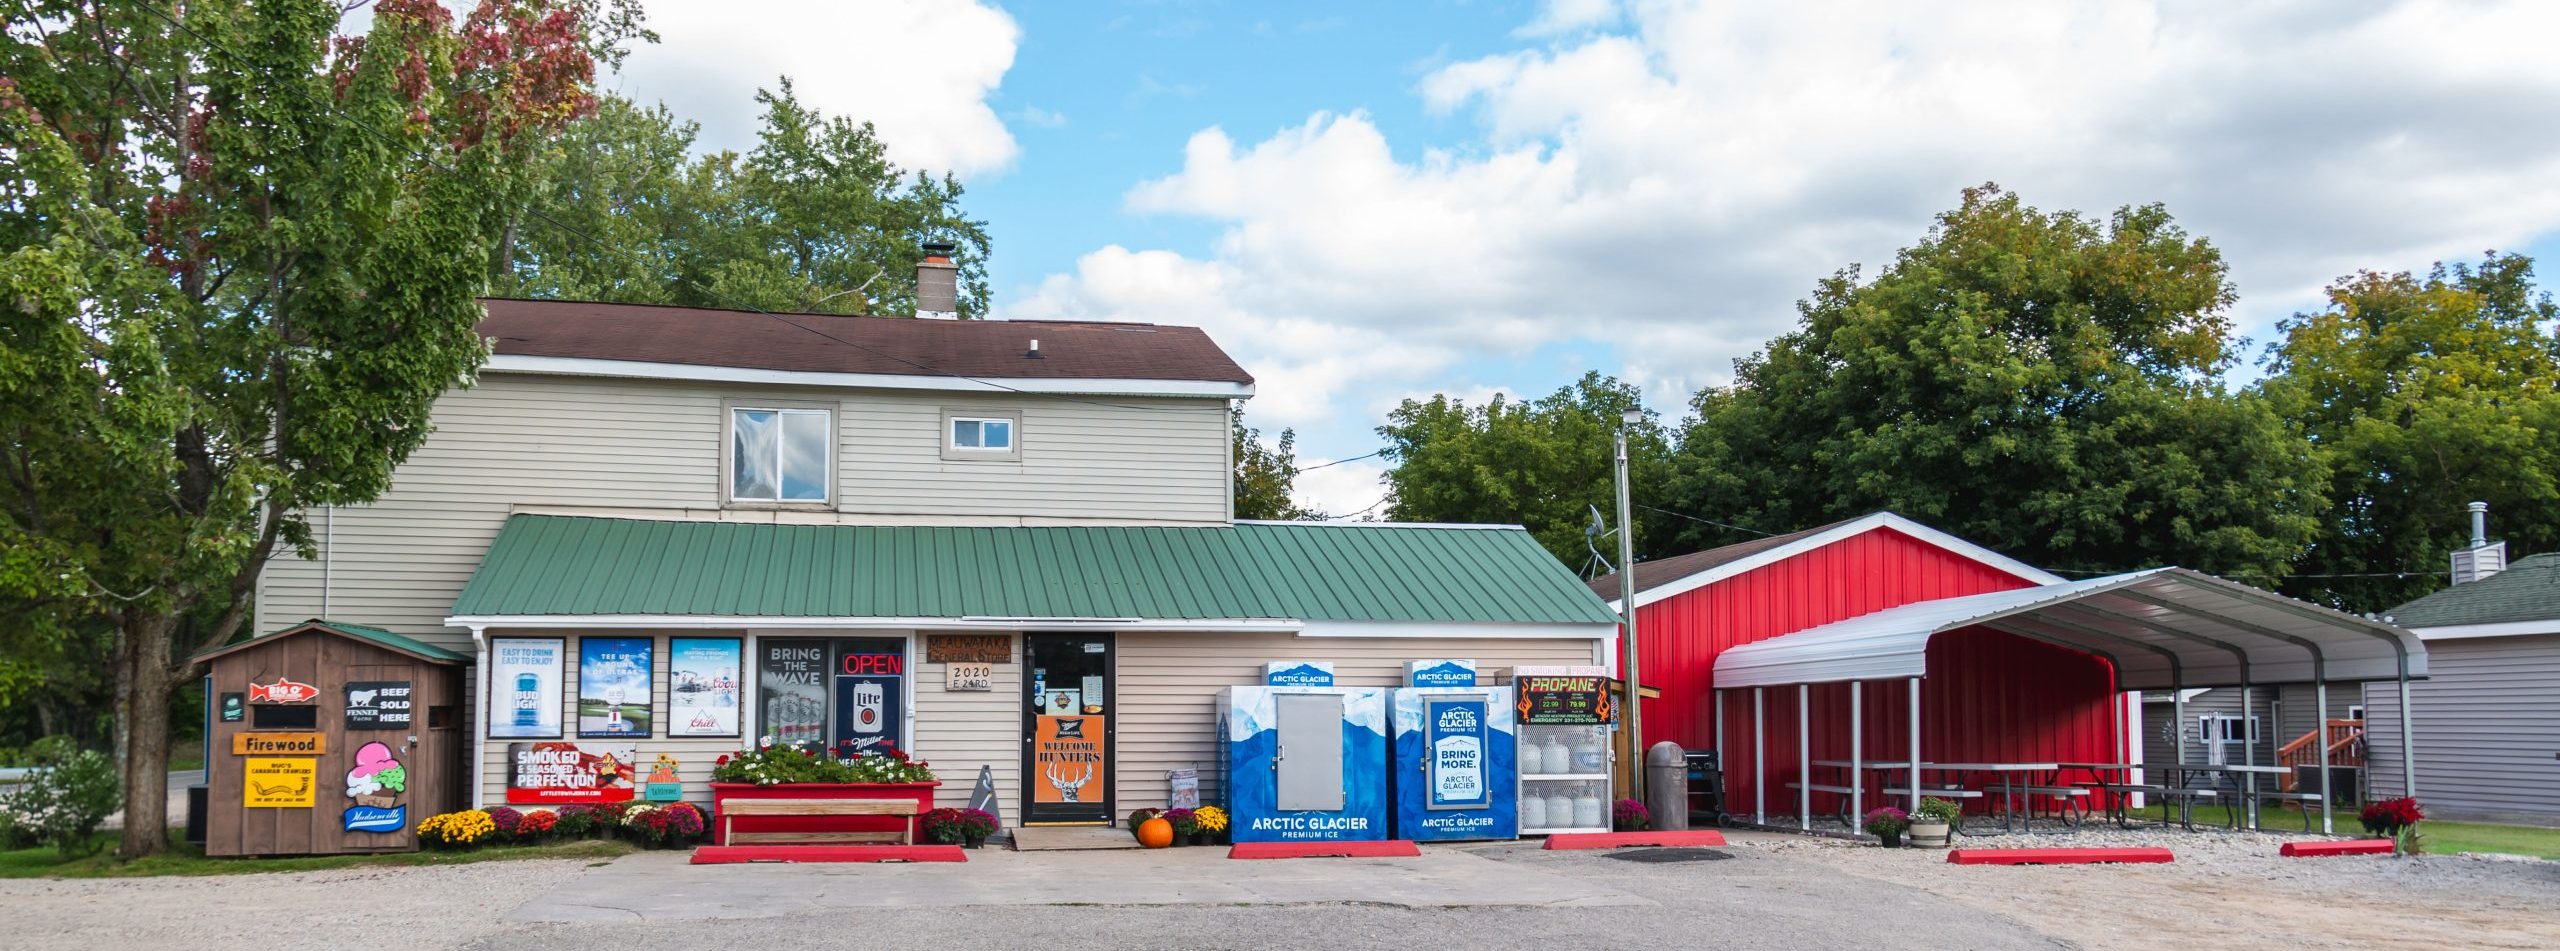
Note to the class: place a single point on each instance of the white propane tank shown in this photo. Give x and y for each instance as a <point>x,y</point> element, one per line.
<point>1589,812</point>
<point>1533,812</point>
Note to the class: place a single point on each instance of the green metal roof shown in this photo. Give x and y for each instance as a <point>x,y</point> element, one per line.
<point>361,632</point>
<point>564,565</point>
<point>2528,590</point>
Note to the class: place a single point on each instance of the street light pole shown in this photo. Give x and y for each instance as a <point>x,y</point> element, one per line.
<point>1632,706</point>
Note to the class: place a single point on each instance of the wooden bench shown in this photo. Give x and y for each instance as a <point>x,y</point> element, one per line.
<point>906,811</point>
<point>2304,801</point>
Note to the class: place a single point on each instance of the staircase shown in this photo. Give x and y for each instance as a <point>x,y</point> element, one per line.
<point>2346,748</point>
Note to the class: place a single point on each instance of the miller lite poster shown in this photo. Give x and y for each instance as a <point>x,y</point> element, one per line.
<point>871,694</point>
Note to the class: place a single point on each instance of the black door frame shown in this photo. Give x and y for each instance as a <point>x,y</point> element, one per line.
<point>1110,730</point>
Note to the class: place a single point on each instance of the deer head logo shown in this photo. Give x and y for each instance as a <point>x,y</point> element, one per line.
<point>1068,788</point>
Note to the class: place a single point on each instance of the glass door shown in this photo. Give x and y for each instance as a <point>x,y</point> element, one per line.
<point>1067,729</point>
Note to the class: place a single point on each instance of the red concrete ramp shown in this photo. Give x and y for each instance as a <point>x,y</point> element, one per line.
<point>1621,840</point>
<point>2305,850</point>
<point>736,854</point>
<point>1389,849</point>
<point>2058,856</point>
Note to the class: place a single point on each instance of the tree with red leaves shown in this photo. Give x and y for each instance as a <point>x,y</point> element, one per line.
<point>240,258</point>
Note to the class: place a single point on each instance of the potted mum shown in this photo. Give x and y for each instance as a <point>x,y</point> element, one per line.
<point>967,828</point>
<point>1629,815</point>
<point>1213,824</point>
<point>2394,819</point>
<point>770,771</point>
<point>1186,825</point>
<point>1887,825</point>
<point>1935,823</point>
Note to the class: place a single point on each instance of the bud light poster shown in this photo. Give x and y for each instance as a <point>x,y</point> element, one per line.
<point>614,690</point>
<point>524,687</point>
<point>871,694</point>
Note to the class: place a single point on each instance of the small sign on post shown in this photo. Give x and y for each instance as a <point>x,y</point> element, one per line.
<point>968,648</point>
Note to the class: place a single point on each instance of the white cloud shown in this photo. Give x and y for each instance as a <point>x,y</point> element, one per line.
<point>921,73</point>
<point>1672,186</point>
<point>1347,490</point>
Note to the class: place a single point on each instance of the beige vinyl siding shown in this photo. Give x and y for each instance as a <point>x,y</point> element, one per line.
<point>634,447</point>
<point>1168,686</point>
<point>959,732</point>
<point>2487,726</point>
<point>694,755</point>
<point>1108,458</point>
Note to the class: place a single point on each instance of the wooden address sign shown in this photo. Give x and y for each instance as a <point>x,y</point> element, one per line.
<point>279,744</point>
<point>968,648</point>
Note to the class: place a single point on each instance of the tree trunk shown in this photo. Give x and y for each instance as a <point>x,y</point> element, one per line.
<point>145,680</point>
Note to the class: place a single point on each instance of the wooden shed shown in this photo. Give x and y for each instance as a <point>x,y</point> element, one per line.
<point>330,738</point>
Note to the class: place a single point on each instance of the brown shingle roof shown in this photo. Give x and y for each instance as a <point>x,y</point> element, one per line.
<point>1662,571</point>
<point>904,346</point>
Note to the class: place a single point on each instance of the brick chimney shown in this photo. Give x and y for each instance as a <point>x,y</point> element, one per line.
<point>938,284</point>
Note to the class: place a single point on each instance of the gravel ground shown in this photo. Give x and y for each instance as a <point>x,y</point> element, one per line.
<point>2226,890</point>
<point>1776,891</point>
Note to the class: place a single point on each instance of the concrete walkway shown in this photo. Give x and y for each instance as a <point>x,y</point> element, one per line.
<point>661,886</point>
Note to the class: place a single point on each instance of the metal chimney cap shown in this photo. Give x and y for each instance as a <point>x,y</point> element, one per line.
<point>2477,507</point>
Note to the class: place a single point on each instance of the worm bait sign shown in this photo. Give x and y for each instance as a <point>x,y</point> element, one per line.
<point>279,783</point>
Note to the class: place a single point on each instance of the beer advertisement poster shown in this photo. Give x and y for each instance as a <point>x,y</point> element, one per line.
<point>702,686</point>
<point>559,773</point>
<point>524,687</point>
<point>614,696</point>
<point>871,694</point>
<point>1066,759</point>
<point>791,688</point>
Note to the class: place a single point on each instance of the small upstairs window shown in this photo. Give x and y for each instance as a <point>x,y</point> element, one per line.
<point>993,435</point>
<point>981,436</point>
<point>778,454</point>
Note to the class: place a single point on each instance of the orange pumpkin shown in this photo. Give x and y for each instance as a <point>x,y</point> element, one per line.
<point>1155,833</point>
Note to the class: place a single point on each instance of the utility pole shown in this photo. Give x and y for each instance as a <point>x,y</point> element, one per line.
<point>1632,707</point>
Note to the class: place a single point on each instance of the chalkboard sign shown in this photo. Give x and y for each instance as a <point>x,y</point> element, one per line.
<point>1567,700</point>
<point>378,705</point>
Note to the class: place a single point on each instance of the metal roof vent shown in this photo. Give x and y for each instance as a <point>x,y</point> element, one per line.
<point>2482,559</point>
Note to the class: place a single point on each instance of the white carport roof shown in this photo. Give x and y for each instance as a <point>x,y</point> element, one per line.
<point>2164,628</point>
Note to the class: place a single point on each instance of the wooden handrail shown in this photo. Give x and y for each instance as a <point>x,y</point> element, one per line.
<point>2345,739</point>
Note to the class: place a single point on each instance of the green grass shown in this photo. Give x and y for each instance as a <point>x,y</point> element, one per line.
<point>2439,837</point>
<point>185,859</point>
<point>2446,838</point>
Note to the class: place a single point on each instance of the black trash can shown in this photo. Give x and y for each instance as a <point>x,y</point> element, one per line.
<point>196,803</point>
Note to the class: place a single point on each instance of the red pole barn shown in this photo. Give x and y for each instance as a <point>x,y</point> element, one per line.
<point>1990,696</point>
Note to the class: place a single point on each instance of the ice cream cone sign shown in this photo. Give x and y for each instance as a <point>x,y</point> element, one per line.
<point>377,779</point>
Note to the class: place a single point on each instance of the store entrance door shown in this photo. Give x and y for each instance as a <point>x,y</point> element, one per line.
<point>1067,729</point>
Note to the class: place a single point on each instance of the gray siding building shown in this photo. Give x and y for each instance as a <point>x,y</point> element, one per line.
<point>2487,719</point>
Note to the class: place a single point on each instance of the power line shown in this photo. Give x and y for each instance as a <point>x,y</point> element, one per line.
<point>1336,462</point>
<point>1706,521</point>
<point>538,215</point>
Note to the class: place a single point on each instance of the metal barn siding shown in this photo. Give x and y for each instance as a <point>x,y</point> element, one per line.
<point>1989,697</point>
<point>1682,634</point>
<point>2487,720</point>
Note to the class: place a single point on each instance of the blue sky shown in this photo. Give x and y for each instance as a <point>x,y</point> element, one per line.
<point>1365,202</point>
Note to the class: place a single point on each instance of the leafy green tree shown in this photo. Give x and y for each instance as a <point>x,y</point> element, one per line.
<point>814,219</point>
<point>1544,464</point>
<point>2046,384</point>
<point>1265,475</point>
<point>241,259</point>
<point>2425,394</point>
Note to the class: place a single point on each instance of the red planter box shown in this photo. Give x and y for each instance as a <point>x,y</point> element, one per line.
<point>919,793</point>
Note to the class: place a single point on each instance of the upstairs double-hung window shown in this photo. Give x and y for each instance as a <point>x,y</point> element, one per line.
<point>778,454</point>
